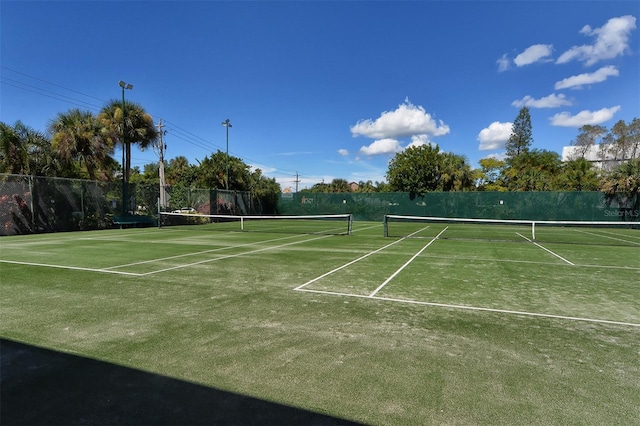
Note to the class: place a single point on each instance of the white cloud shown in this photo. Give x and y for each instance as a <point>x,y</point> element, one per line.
<point>501,156</point>
<point>612,39</point>
<point>551,101</point>
<point>406,120</point>
<point>381,146</point>
<point>343,152</point>
<point>504,63</point>
<point>577,81</point>
<point>565,119</point>
<point>418,140</point>
<point>494,136</point>
<point>533,54</point>
<point>264,169</point>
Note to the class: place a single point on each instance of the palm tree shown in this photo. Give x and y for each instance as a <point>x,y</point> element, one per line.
<point>14,153</point>
<point>578,175</point>
<point>138,128</point>
<point>339,185</point>
<point>43,161</point>
<point>77,139</point>
<point>455,174</point>
<point>625,179</point>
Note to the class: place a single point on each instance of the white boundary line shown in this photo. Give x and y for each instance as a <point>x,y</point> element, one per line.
<point>73,268</point>
<point>547,250</point>
<point>606,236</point>
<point>474,308</point>
<point>133,274</point>
<point>186,265</point>
<point>356,260</point>
<point>381,286</point>
<point>177,256</point>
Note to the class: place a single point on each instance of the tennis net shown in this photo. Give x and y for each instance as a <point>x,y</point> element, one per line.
<point>547,231</point>
<point>337,224</point>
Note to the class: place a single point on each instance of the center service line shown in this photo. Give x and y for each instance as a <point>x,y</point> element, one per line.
<point>547,250</point>
<point>406,264</point>
<point>356,260</point>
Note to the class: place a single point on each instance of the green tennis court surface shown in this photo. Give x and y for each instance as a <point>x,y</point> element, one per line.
<point>442,329</point>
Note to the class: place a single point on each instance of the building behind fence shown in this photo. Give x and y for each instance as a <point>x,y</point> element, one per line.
<point>32,204</point>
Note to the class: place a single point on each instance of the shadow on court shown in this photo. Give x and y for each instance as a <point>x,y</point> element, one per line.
<point>41,386</point>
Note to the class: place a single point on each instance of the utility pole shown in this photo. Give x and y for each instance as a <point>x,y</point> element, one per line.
<point>161,148</point>
<point>227,123</point>
<point>297,181</point>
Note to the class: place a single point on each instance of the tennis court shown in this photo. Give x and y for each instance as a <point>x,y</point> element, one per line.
<point>434,324</point>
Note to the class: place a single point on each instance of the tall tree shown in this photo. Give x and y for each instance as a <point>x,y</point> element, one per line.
<point>78,139</point>
<point>490,175</point>
<point>367,186</point>
<point>455,173</point>
<point>587,138</point>
<point>415,170</point>
<point>624,179</point>
<point>535,170</point>
<point>266,190</point>
<point>138,128</point>
<point>339,185</point>
<point>624,140</point>
<point>578,175</point>
<point>211,172</point>
<point>179,171</point>
<point>521,134</point>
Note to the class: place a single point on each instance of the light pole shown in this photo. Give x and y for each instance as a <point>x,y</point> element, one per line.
<point>226,123</point>
<point>124,158</point>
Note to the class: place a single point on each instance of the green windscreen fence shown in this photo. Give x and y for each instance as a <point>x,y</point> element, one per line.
<point>583,206</point>
<point>34,204</point>
<point>31,204</point>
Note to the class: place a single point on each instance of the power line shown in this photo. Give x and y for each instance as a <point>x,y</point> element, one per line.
<point>175,130</point>
<point>52,95</point>
<point>53,84</point>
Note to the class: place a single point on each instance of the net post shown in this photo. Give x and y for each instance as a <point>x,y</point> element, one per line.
<point>159,213</point>
<point>533,231</point>
<point>350,225</point>
<point>385,225</point>
<point>242,223</point>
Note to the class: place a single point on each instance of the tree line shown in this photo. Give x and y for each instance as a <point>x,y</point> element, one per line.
<point>425,168</point>
<point>79,144</point>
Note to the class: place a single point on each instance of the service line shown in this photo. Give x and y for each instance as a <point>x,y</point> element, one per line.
<point>476,308</point>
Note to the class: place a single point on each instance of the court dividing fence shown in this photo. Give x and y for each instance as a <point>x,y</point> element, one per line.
<point>36,204</point>
<point>33,204</point>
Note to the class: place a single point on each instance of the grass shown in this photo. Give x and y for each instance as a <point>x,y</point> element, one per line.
<point>218,309</point>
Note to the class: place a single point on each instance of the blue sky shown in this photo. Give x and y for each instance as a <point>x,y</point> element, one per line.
<point>327,89</point>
